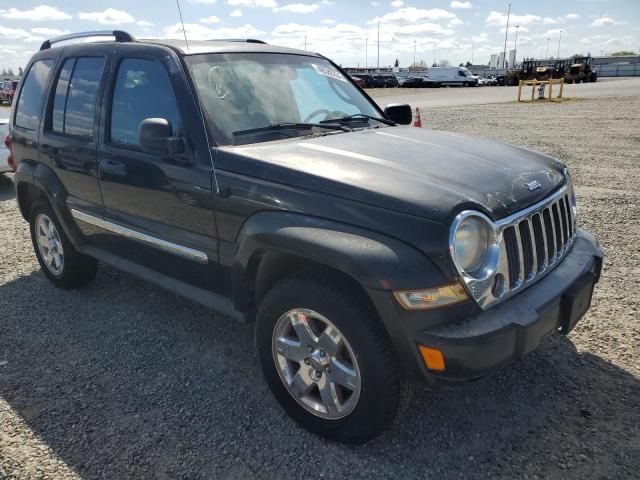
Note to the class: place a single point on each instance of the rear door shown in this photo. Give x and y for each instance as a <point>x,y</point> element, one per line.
<point>69,140</point>
<point>158,210</point>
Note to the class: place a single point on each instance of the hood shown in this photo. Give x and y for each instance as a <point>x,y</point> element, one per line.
<point>428,173</point>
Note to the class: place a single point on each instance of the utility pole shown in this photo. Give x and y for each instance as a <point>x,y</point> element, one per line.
<point>305,43</point>
<point>515,48</point>
<point>546,56</point>
<point>559,40</point>
<point>506,33</point>
<point>414,54</point>
<point>434,54</point>
<point>366,53</point>
<point>473,46</point>
<point>378,67</point>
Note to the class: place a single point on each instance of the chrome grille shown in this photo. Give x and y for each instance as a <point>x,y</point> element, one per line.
<point>530,243</point>
<point>536,241</point>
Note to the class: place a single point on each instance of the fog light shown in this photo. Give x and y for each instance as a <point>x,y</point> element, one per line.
<point>431,297</point>
<point>433,359</point>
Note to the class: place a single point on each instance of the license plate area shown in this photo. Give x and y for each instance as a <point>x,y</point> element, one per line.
<point>576,301</point>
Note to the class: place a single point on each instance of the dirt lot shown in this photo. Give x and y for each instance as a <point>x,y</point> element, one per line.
<point>124,380</point>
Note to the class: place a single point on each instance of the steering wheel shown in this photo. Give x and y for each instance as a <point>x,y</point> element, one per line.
<point>329,115</point>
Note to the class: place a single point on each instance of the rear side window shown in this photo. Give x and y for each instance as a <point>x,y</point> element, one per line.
<point>142,90</point>
<point>74,103</point>
<point>30,101</point>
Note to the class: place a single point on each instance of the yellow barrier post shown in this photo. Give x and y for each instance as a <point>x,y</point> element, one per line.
<point>561,87</point>
<point>550,88</point>
<point>519,89</point>
<point>533,90</point>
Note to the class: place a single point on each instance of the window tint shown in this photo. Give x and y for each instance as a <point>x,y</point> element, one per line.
<point>60,99</point>
<point>30,101</point>
<point>142,91</point>
<point>75,100</point>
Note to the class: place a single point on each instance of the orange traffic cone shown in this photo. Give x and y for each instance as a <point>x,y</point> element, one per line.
<point>418,121</point>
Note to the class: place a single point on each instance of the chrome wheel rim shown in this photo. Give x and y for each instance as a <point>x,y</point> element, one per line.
<point>316,364</point>
<point>49,244</point>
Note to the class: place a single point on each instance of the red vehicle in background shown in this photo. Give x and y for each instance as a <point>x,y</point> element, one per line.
<point>359,81</point>
<point>7,91</point>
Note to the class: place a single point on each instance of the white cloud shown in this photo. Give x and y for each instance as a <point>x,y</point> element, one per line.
<point>298,8</point>
<point>329,21</point>
<point>49,32</point>
<point>253,3</point>
<point>144,23</point>
<point>110,16</point>
<point>454,22</point>
<point>606,22</point>
<point>409,15</point>
<point>463,5</point>
<point>236,13</point>
<point>36,14</point>
<point>572,16</point>
<point>195,31</point>
<point>206,2</point>
<point>500,19</point>
<point>11,35</point>
<point>211,19</point>
<point>397,3</point>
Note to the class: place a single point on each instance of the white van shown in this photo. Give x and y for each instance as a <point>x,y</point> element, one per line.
<point>454,76</point>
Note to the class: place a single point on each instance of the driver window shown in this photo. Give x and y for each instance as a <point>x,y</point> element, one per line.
<point>142,90</point>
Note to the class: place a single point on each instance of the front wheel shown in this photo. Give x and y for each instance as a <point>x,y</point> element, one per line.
<point>327,359</point>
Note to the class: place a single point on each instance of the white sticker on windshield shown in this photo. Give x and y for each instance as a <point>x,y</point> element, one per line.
<point>329,71</point>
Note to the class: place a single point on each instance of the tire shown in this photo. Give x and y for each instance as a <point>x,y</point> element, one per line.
<point>73,270</point>
<point>375,379</point>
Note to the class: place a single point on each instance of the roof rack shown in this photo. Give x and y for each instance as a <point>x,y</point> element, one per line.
<point>245,40</point>
<point>119,35</point>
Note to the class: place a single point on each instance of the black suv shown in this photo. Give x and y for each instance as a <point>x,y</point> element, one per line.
<point>262,182</point>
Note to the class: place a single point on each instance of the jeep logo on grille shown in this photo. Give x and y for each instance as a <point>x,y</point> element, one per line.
<point>534,185</point>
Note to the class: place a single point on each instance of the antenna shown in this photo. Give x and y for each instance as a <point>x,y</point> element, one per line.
<point>182,22</point>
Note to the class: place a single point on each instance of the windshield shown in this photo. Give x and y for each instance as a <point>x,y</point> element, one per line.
<point>243,92</point>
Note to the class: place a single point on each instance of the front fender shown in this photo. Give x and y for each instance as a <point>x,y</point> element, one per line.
<point>376,261</point>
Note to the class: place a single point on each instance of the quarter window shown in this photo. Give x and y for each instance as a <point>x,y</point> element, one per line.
<point>142,90</point>
<point>30,101</point>
<point>74,104</point>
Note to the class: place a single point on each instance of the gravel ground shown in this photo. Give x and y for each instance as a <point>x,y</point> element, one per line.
<point>123,380</point>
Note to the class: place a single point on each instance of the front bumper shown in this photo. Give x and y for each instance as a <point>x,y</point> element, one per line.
<point>475,343</point>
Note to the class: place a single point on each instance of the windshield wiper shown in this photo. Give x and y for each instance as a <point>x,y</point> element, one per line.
<point>359,116</point>
<point>290,126</point>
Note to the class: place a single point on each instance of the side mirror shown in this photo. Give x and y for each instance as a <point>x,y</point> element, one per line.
<point>399,113</point>
<point>156,136</point>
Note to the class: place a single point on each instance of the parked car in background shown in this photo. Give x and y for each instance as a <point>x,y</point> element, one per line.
<point>360,82</point>
<point>8,91</point>
<point>453,76</point>
<point>491,80</point>
<point>419,82</point>
<point>370,81</point>
<point>6,165</point>
<point>386,81</point>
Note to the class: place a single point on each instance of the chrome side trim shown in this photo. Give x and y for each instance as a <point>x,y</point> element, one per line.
<point>175,249</point>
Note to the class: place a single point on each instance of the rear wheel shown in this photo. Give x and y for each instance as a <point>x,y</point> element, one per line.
<point>327,359</point>
<point>63,265</point>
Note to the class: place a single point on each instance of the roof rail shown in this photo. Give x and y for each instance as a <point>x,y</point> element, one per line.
<point>119,35</point>
<point>244,40</point>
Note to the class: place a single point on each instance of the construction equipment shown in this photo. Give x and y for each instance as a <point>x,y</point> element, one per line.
<point>580,71</point>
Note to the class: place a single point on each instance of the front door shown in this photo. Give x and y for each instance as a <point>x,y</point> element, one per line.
<point>158,210</point>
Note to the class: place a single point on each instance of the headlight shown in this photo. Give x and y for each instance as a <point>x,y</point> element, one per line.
<point>474,244</point>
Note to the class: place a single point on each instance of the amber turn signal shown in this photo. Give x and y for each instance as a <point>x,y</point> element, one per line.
<point>433,359</point>
<point>432,297</point>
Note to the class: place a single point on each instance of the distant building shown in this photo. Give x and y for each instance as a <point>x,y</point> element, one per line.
<point>501,60</point>
<point>608,60</point>
<point>493,63</point>
<point>512,58</point>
